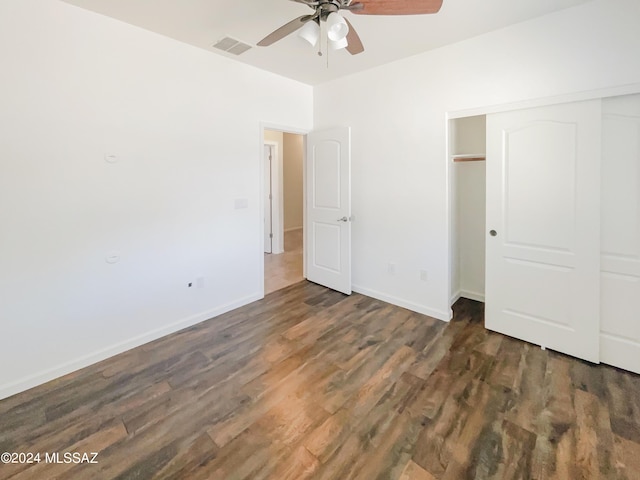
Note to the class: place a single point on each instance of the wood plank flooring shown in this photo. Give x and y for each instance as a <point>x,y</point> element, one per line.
<point>284,269</point>
<point>311,384</point>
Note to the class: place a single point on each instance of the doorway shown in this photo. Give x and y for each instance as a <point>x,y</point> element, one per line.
<point>284,206</point>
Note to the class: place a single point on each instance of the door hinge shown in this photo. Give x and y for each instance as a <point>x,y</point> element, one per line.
<point>270,197</point>
<point>271,235</point>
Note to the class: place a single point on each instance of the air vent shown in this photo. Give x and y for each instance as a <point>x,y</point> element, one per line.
<point>232,45</point>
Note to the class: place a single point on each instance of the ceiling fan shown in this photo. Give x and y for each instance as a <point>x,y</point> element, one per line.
<point>340,31</point>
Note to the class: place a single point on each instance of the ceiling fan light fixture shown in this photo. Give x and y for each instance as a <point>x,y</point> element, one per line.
<point>310,32</point>
<point>337,27</point>
<point>338,44</point>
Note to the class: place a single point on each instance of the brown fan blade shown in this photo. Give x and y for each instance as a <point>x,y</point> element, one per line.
<point>284,30</point>
<point>354,45</point>
<point>396,7</point>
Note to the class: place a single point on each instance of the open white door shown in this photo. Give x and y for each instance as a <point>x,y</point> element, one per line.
<point>543,222</point>
<point>328,208</point>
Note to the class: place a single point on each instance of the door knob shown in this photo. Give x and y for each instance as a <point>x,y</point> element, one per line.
<point>493,233</point>
<point>343,219</point>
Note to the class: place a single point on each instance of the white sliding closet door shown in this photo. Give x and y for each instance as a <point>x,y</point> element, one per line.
<point>543,226</point>
<point>620,280</point>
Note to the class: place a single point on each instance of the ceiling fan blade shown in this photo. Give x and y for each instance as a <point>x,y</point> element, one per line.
<point>396,7</point>
<point>284,30</point>
<point>354,46</point>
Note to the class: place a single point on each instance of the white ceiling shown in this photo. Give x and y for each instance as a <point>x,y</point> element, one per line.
<point>386,38</point>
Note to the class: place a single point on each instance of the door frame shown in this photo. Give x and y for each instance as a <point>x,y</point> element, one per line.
<point>277,208</point>
<point>486,110</point>
<point>262,142</point>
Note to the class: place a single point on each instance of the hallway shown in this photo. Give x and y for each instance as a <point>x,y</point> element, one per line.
<point>284,269</point>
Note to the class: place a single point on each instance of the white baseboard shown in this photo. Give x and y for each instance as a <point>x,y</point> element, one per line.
<point>292,229</point>
<point>39,378</point>
<point>479,297</point>
<point>400,302</point>
<point>455,297</point>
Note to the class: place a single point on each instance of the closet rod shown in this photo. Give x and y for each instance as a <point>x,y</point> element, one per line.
<point>469,158</point>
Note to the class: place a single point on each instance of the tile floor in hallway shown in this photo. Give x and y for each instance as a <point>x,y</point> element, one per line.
<point>284,269</point>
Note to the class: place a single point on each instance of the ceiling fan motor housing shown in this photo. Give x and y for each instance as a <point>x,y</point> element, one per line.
<point>325,8</point>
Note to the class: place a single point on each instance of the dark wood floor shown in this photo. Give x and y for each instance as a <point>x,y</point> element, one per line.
<point>309,383</point>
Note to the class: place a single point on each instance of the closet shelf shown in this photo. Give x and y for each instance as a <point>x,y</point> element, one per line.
<point>472,157</point>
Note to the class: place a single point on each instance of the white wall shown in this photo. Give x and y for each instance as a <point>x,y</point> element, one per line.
<point>185,127</point>
<point>398,117</point>
<point>293,180</point>
<point>274,136</point>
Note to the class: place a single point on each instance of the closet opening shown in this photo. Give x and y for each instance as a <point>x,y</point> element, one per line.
<point>553,239</point>
<point>467,152</point>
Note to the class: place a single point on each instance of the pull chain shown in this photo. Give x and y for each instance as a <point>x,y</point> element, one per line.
<point>320,40</point>
<point>327,49</point>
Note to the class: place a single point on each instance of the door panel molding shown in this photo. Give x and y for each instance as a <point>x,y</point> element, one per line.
<point>543,198</point>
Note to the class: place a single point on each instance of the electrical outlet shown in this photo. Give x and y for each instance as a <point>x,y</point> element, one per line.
<point>423,275</point>
<point>391,268</point>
